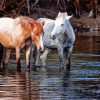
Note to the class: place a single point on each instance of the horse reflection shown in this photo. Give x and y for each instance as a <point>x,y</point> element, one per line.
<point>16,85</point>
<point>19,33</point>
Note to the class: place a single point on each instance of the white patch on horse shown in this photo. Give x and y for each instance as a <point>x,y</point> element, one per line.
<point>41,43</point>
<point>6,25</point>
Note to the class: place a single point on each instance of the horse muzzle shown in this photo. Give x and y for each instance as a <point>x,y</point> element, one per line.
<point>42,49</point>
<point>53,37</point>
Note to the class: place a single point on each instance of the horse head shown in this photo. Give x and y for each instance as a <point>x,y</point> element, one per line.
<point>37,35</point>
<point>60,24</point>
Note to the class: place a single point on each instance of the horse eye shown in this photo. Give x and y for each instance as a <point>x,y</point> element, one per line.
<point>62,24</point>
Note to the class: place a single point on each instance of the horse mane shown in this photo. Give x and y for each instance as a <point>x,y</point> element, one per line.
<point>28,24</point>
<point>25,19</point>
<point>62,15</point>
<point>25,22</point>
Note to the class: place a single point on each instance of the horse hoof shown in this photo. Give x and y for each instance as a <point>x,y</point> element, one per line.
<point>4,65</point>
<point>1,70</point>
<point>43,69</point>
<point>18,68</point>
<point>28,69</point>
<point>36,67</point>
<point>68,66</point>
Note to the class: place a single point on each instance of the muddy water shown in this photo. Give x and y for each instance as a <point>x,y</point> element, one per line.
<point>88,45</point>
<point>82,82</point>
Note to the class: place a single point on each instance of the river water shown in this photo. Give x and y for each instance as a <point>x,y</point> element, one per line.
<point>82,82</point>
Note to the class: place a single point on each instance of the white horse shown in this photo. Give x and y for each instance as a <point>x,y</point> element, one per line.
<point>58,34</point>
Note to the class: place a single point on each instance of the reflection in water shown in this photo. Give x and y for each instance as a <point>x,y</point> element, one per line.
<point>14,86</point>
<point>54,84</point>
<point>82,82</point>
<point>90,45</point>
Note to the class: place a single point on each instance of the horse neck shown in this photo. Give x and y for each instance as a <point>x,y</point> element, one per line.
<point>62,37</point>
<point>27,25</point>
<point>68,34</point>
<point>69,30</point>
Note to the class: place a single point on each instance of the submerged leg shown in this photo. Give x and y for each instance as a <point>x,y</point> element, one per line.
<point>68,55</point>
<point>60,52</point>
<point>34,52</point>
<point>6,58</point>
<point>18,59</point>
<point>43,57</point>
<point>61,56</point>
<point>37,58</point>
<point>28,51</point>
<point>77,8</point>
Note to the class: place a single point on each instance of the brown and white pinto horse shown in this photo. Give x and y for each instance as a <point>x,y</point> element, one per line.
<point>94,7</point>
<point>19,33</point>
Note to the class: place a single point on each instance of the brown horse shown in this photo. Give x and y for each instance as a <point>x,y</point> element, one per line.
<point>94,7</point>
<point>19,33</point>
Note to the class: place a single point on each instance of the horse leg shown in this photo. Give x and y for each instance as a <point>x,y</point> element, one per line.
<point>34,53</point>
<point>6,58</point>
<point>94,5</point>
<point>1,53</point>
<point>28,51</point>
<point>37,58</point>
<point>77,8</point>
<point>61,57</point>
<point>43,57</point>
<point>90,14</point>
<point>68,55</point>
<point>18,59</point>
<point>92,9</point>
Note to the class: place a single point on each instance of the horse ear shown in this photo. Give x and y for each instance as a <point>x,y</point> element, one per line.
<point>66,13</point>
<point>59,13</point>
<point>68,17</point>
<point>43,23</point>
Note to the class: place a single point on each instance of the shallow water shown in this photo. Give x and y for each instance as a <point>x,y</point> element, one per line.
<point>82,82</point>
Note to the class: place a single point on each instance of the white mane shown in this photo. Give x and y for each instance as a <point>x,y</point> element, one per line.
<point>62,17</point>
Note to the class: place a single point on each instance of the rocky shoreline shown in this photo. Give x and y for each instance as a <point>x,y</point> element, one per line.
<point>86,26</point>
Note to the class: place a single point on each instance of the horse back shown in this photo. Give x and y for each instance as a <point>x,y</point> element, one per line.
<point>11,32</point>
<point>6,24</point>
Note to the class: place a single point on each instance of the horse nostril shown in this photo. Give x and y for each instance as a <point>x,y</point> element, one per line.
<point>41,50</point>
<point>53,37</point>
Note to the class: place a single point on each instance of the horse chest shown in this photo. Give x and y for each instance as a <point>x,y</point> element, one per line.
<point>62,38</point>
<point>5,40</point>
